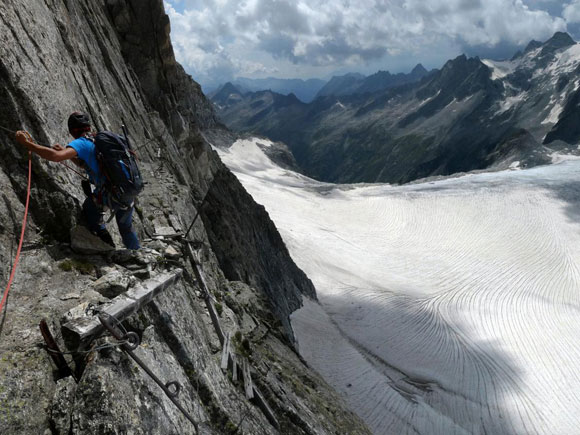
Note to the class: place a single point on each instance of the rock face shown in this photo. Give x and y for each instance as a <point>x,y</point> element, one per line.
<point>567,128</point>
<point>114,60</point>
<point>228,215</point>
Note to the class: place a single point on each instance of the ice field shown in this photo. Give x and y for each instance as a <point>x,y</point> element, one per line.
<point>446,307</point>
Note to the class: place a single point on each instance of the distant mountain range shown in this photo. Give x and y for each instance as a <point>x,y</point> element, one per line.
<point>351,84</point>
<point>471,114</point>
<point>305,90</point>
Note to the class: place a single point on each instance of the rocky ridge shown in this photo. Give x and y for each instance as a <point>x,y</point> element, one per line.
<point>473,114</point>
<point>305,90</point>
<point>113,59</point>
<point>350,84</point>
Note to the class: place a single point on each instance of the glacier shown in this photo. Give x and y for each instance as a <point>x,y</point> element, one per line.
<point>445,307</point>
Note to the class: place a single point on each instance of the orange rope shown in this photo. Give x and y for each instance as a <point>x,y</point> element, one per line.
<point>21,234</point>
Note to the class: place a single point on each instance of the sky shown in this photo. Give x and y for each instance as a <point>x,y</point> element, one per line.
<point>219,40</point>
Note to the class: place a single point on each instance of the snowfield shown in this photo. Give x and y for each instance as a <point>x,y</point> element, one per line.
<point>447,307</point>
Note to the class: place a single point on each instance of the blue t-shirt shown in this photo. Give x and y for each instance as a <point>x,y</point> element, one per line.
<point>85,149</point>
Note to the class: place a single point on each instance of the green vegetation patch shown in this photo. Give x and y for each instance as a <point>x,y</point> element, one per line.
<point>70,264</point>
<point>242,344</point>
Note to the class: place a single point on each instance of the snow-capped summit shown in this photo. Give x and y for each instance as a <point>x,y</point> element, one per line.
<point>539,88</point>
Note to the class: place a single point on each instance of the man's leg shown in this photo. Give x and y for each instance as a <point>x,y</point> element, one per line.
<point>125,222</point>
<point>94,217</point>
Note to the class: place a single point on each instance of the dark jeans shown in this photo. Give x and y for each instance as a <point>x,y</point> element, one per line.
<point>124,218</point>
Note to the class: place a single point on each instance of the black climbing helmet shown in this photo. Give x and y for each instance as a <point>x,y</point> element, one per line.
<point>78,120</point>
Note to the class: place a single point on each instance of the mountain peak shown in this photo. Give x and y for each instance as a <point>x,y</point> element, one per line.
<point>460,77</point>
<point>533,44</point>
<point>453,63</point>
<point>229,87</point>
<point>419,69</point>
<point>223,94</point>
<point>559,40</point>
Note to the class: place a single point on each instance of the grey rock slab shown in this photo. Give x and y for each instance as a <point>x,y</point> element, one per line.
<point>164,231</point>
<point>62,404</point>
<point>174,220</point>
<point>172,253</point>
<point>157,245</point>
<point>84,242</point>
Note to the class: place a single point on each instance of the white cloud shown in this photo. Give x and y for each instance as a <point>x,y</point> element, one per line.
<point>571,12</point>
<point>230,37</point>
<point>205,45</point>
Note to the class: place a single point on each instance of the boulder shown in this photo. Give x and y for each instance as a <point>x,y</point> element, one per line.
<point>84,242</point>
<point>171,253</point>
<point>112,284</point>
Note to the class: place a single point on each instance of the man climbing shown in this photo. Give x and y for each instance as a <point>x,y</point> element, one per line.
<point>82,150</point>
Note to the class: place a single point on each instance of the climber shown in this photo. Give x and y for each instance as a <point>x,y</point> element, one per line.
<point>82,151</point>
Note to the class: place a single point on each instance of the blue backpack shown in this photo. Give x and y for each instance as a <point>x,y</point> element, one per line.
<point>122,178</point>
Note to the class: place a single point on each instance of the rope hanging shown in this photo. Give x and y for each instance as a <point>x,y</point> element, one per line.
<point>7,290</point>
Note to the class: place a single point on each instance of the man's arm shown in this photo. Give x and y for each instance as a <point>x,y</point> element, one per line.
<point>56,154</point>
<point>75,160</point>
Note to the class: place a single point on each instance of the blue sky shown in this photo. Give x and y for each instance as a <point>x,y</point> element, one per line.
<point>218,40</point>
